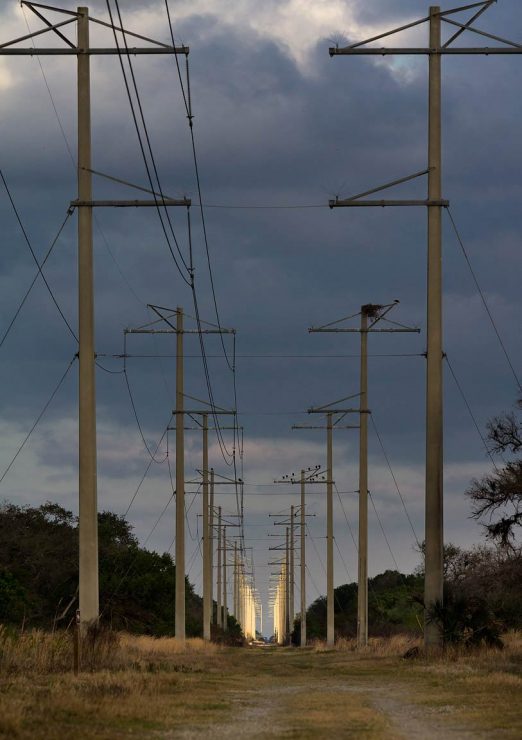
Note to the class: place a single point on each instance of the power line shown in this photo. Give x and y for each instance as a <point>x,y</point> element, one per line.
<point>346,519</point>
<point>42,412</point>
<point>343,560</point>
<point>272,207</point>
<point>136,417</point>
<point>267,356</point>
<point>147,137</point>
<point>136,558</point>
<point>140,141</point>
<point>473,419</point>
<point>38,265</point>
<point>149,465</point>
<point>383,532</point>
<point>188,108</point>
<point>394,478</point>
<point>483,299</point>
<point>28,291</point>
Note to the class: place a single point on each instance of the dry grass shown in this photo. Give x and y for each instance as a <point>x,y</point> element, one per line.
<point>394,646</point>
<point>38,652</point>
<point>145,687</point>
<point>34,651</point>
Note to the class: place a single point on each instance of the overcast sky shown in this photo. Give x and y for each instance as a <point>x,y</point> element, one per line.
<point>277,123</point>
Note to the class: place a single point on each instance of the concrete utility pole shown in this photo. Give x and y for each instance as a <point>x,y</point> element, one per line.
<point>236,584</point>
<point>88,509</point>
<point>211,544</point>
<point>180,484</point>
<point>329,413</point>
<point>207,572</point>
<point>434,388</point>
<point>303,562</point>
<point>362,579</point>
<point>288,624</point>
<point>219,573</point>
<point>434,537</point>
<point>374,313</point>
<point>225,608</point>
<point>330,607</point>
<point>87,468</point>
<point>292,569</point>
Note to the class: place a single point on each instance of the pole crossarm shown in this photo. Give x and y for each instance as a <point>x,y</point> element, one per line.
<point>335,50</point>
<point>202,413</point>
<point>175,331</point>
<point>158,48</point>
<point>356,201</point>
<point>338,411</point>
<point>60,51</point>
<point>376,312</point>
<point>350,203</point>
<point>219,483</point>
<point>143,329</point>
<point>415,330</point>
<point>308,426</point>
<point>158,202</point>
<point>419,50</point>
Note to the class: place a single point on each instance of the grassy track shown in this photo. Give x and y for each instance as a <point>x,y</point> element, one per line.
<point>155,690</point>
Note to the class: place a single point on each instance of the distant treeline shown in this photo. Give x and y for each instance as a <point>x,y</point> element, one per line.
<point>39,574</point>
<point>39,578</point>
<point>483,598</point>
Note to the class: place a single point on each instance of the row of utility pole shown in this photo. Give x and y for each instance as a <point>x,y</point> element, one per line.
<point>434,203</point>
<point>180,412</point>
<point>282,603</point>
<point>84,204</point>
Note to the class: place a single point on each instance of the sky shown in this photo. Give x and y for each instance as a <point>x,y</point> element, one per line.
<point>277,122</point>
